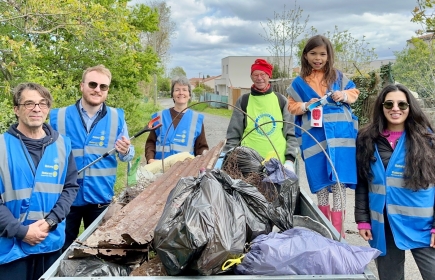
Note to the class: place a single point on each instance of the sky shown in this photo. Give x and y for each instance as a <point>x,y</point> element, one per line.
<point>209,30</point>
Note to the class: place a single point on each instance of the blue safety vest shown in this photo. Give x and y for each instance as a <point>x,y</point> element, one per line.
<point>97,181</point>
<point>180,139</point>
<point>337,137</point>
<point>30,197</point>
<point>410,213</point>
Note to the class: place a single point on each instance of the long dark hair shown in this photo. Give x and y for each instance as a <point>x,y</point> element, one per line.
<point>420,142</point>
<point>330,73</point>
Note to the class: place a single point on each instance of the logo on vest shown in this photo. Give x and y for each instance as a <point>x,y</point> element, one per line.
<point>50,170</point>
<point>268,128</point>
<point>98,140</point>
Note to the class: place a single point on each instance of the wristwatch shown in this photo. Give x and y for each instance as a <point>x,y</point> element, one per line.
<point>52,225</point>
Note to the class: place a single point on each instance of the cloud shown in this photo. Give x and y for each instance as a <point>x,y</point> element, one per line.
<point>210,30</point>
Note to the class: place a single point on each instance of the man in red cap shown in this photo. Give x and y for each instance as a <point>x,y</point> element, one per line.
<point>264,106</point>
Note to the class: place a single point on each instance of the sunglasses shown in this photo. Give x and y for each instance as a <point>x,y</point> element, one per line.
<point>390,104</point>
<point>93,85</point>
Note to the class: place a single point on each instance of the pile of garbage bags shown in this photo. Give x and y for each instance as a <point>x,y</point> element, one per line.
<point>208,220</point>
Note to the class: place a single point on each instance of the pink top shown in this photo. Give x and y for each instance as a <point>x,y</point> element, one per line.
<point>392,137</point>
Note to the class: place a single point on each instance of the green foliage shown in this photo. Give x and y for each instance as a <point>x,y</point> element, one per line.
<point>164,85</point>
<point>7,117</point>
<point>198,91</point>
<point>415,67</point>
<point>424,14</point>
<point>369,87</point>
<point>278,73</point>
<point>51,42</point>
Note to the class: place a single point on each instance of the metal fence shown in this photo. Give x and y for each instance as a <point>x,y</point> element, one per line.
<point>214,97</point>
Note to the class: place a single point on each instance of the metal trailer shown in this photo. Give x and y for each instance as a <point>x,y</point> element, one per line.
<point>305,207</point>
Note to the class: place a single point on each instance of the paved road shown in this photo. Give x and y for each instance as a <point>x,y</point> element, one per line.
<point>216,127</point>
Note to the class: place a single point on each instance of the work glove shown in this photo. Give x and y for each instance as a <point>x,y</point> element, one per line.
<point>289,165</point>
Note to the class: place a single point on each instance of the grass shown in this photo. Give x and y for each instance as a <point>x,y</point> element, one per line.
<point>204,107</point>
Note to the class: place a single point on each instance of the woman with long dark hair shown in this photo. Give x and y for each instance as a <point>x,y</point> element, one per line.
<point>394,197</point>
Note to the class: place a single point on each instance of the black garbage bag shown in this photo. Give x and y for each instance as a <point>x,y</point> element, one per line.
<point>91,266</point>
<point>254,204</point>
<point>282,209</point>
<point>202,226</point>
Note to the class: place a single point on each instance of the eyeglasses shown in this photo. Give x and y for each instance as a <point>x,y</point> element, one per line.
<point>262,75</point>
<point>93,85</point>
<point>30,105</point>
<point>401,104</point>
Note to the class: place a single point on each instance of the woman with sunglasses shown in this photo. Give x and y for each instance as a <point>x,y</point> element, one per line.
<point>394,199</point>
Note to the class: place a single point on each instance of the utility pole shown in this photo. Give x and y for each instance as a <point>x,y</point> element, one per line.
<point>155,75</point>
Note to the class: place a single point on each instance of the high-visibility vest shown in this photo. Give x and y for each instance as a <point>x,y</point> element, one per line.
<point>30,193</point>
<point>410,213</point>
<point>96,182</point>
<point>170,140</point>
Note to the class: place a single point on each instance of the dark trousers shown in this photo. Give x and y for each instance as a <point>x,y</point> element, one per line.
<point>392,265</point>
<point>28,268</point>
<point>87,213</point>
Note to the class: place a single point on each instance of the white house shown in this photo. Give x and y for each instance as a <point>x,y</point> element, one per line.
<point>236,73</point>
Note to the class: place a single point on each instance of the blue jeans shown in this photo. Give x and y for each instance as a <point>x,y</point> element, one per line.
<point>87,213</point>
<point>28,268</point>
<point>392,265</point>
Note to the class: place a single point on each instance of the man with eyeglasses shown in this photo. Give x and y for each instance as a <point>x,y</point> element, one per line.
<point>263,105</point>
<point>38,184</point>
<point>94,129</point>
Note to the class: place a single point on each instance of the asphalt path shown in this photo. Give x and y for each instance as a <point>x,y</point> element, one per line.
<point>215,129</point>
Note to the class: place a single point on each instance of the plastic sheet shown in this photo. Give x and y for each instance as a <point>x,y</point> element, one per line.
<point>277,173</point>
<point>91,266</point>
<point>303,252</point>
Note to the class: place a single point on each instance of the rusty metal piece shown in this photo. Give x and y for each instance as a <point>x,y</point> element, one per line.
<point>133,226</point>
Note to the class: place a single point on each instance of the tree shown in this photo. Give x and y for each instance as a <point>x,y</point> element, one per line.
<point>414,67</point>
<point>177,72</point>
<point>424,14</point>
<point>160,40</point>
<point>281,33</point>
<point>51,42</point>
<point>351,54</point>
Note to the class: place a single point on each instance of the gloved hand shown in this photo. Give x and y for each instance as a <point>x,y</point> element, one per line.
<point>289,165</point>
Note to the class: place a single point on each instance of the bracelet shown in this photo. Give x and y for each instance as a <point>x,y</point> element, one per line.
<point>304,107</point>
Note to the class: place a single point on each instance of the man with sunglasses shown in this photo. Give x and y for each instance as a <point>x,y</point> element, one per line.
<point>94,129</point>
<point>38,184</point>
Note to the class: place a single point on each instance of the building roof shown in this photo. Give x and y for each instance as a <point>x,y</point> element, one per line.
<point>194,81</point>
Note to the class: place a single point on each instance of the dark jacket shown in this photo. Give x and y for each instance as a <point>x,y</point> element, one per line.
<point>9,225</point>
